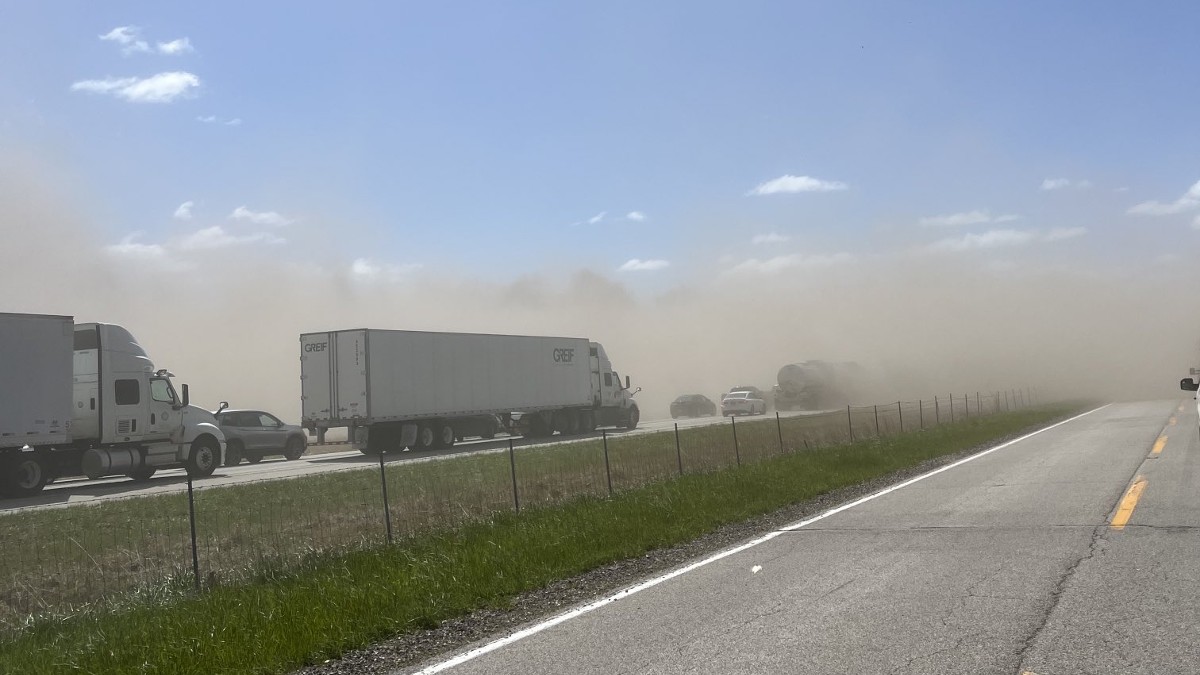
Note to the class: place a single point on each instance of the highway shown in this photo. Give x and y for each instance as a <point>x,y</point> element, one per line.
<point>77,491</point>
<point>1074,550</point>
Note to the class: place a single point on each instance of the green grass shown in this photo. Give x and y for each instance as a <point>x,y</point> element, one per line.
<point>289,616</point>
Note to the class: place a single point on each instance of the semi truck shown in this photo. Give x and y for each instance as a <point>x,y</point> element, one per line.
<point>400,389</point>
<point>818,385</point>
<point>85,400</point>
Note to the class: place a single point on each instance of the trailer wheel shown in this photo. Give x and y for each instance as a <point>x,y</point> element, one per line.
<point>445,437</point>
<point>142,473</point>
<point>425,437</point>
<point>203,459</point>
<point>25,475</point>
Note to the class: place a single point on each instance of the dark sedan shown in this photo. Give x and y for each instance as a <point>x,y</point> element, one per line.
<point>692,405</point>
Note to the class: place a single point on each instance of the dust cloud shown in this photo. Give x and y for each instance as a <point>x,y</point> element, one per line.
<point>227,321</point>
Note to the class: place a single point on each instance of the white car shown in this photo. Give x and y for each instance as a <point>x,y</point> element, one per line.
<point>742,403</point>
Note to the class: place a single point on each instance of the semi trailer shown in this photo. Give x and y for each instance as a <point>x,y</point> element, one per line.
<point>399,389</point>
<point>818,385</point>
<point>85,400</point>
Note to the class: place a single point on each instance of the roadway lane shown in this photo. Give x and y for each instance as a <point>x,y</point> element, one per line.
<point>1133,603</point>
<point>986,567</point>
<point>73,492</point>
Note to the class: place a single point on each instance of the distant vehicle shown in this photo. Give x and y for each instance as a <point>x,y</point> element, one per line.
<point>754,392</point>
<point>85,399</point>
<point>692,405</point>
<point>818,385</point>
<point>400,389</point>
<point>254,434</point>
<point>742,403</point>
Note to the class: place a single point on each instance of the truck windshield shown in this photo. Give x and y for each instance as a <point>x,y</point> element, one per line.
<point>161,390</point>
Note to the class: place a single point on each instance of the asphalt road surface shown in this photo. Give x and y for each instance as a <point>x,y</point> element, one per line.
<point>1010,562</point>
<point>73,492</point>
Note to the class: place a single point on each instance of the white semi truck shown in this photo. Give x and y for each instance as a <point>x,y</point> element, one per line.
<point>397,389</point>
<point>84,399</point>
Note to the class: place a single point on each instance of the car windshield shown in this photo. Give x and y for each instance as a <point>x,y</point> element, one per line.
<point>737,394</point>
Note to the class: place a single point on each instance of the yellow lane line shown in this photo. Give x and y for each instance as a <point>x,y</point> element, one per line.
<point>1159,445</point>
<point>1128,502</point>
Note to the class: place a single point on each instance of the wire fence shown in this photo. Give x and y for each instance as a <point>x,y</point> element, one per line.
<point>55,562</point>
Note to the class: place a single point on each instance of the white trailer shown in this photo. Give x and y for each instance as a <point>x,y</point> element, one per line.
<point>411,389</point>
<point>85,399</point>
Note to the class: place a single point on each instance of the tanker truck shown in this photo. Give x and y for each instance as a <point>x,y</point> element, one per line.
<point>399,389</point>
<point>818,385</point>
<point>85,399</point>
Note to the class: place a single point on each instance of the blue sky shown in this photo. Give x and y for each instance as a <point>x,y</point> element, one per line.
<point>491,140</point>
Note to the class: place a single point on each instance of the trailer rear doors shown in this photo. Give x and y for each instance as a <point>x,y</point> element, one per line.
<point>333,375</point>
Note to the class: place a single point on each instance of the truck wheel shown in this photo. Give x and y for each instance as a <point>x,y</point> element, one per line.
<point>445,437</point>
<point>203,459</point>
<point>25,475</point>
<point>233,453</point>
<point>632,418</point>
<point>294,449</point>
<point>587,421</point>
<point>253,459</point>
<point>425,437</point>
<point>573,422</point>
<point>142,473</point>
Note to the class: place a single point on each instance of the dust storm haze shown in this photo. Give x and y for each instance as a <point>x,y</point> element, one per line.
<point>226,321</point>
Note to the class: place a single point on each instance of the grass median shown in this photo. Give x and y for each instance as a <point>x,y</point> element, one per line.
<point>283,621</point>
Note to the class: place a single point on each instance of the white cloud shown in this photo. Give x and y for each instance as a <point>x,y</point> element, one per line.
<point>597,218</point>
<point>129,39</point>
<point>184,212</point>
<point>636,265</point>
<point>217,237</point>
<point>769,238</point>
<point>1060,233</point>
<point>367,270</point>
<point>160,88</point>
<point>1196,223</point>
<point>789,262</point>
<point>791,184</point>
<point>260,217</point>
<point>1064,183</point>
<point>132,249</point>
<point>1003,238</point>
<point>636,216</point>
<point>213,119</point>
<point>1190,200</point>
<point>989,239</point>
<point>177,46</point>
<point>966,218</point>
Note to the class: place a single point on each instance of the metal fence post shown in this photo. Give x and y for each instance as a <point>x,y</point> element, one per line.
<point>978,406</point>
<point>849,423</point>
<point>876,421</point>
<point>937,412</point>
<point>737,453</point>
<point>921,413</point>
<point>900,411</point>
<point>607,470</point>
<point>779,430</point>
<point>678,452</point>
<point>195,551</point>
<point>387,511</point>
<point>951,408</point>
<point>512,466</point>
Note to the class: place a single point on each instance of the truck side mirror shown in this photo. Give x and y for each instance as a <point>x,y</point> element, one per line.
<point>1188,384</point>
<point>186,399</point>
<point>626,381</point>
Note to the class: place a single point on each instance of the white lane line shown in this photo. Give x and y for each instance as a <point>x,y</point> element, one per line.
<point>650,583</point>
